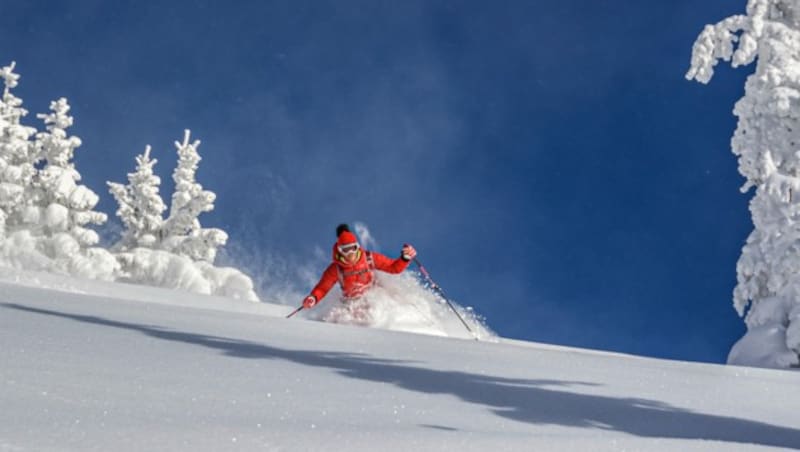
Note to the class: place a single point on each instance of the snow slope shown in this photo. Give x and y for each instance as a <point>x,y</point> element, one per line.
<point>102,367</point>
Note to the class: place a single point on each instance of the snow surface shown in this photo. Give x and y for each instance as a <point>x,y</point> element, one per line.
<point>87,365</point>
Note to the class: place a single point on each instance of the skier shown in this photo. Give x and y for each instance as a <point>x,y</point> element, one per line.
<point>354,268</point>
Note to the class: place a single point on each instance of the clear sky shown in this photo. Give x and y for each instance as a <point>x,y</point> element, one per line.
<point>548,160</point>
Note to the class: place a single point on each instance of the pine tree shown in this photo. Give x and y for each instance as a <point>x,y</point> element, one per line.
<point>140,205</point>
<point>183,233</point>
<point>44,213</point>
<point>767,144</point>
<point>176,252</point>
<point>18,155</point>
<point>68,206</point>
<point>65,207</point>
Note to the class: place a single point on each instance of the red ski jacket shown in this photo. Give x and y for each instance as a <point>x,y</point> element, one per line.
<point>357,278</point>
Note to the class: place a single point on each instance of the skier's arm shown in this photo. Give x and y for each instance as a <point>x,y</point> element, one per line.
<point>325,283</point>
<point>388,264</point>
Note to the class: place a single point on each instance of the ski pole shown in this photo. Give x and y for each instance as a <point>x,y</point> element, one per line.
<point>295,312</point>
<point>439,289</point>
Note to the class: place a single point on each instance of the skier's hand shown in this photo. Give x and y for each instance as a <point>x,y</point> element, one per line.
<point>408,252</point>
<point>310,302</point>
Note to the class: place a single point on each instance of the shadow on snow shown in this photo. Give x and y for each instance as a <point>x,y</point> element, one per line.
<point>530,401</point>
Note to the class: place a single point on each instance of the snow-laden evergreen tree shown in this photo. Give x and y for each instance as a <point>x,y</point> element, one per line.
<point>176,252</point>
<point>767,143</point>
<point>183,233</point>
<point>18,155</point>
<point>45,212</point>
<point>68,206</point>
<point>65,207</point>
<point>140,205</point>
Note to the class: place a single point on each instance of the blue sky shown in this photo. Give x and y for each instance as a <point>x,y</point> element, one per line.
<point>548,159</point>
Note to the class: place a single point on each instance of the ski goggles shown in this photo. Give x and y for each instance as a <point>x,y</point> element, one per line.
<point>348,249</point>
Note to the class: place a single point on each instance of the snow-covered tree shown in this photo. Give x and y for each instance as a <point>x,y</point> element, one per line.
<point>18,154</point>
<point>183,233</point>
<point>64,208</point>
<point>767,144</point>
<point>140,205</point>
<point>176,252</point>
<point>67,205</point>
<point>45,213</point>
